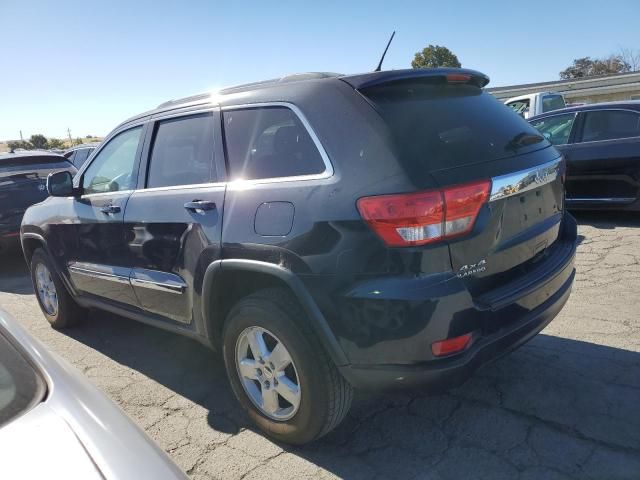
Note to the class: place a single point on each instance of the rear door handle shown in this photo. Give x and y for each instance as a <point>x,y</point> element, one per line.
<point>200,205</point>
<point>110,209</point>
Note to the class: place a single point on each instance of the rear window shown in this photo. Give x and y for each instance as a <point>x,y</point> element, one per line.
<point>439,126</point>
<point>552,102</point>
<point>269,142</point>
<point>20,385</point>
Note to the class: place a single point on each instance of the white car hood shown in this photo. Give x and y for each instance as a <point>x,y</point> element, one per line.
<point>40,444</point>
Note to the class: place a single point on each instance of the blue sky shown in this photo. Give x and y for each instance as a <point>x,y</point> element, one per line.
<point>88,65</point>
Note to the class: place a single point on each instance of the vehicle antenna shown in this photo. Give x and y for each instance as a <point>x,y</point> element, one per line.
<point>385,52</point>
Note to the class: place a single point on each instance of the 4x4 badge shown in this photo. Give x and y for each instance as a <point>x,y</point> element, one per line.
<point>472,269</point>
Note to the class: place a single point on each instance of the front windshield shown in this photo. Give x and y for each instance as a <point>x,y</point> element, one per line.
<point>21,387</point>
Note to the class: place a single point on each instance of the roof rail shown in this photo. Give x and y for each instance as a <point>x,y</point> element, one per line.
<point>192,98</point>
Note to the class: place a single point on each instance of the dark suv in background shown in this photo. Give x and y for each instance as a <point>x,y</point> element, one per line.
<point>325,232</point>
<point>23,177</point>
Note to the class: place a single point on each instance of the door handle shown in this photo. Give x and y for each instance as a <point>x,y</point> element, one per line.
<point>200,205</point>
<point>110,209</point>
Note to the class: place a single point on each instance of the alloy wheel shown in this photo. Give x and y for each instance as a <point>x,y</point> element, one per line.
<point>46,290</point>
<point>267,373</point>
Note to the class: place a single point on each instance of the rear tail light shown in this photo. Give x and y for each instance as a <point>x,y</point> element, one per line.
<point>450,345</point>
<point>424,217</point>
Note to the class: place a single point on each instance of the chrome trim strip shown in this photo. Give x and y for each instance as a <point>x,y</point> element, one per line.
<point>161,286</point>
<point>109,194</point>
<point>88,272</point>
<point>328,172</point>
<point>182,187</point>
<point>603,200</point>
<point>516,183</point>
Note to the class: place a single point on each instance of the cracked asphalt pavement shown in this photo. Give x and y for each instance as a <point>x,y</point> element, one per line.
<point>566,405</point>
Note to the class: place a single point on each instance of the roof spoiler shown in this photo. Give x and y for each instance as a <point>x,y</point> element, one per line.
<point>451,75</point>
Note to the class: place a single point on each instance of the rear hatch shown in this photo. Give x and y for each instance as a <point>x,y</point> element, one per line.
<point>448,131</point>
<point>23,183</point>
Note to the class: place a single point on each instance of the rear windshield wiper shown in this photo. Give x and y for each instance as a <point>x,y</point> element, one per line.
<point>523,140</point>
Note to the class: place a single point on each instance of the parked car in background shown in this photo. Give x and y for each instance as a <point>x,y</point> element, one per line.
<point>55,424</point>
<point>535,103</point>
<point>23,179</point>
<point>601,143</point>
<point>79,154</point>
<point>324,231</point>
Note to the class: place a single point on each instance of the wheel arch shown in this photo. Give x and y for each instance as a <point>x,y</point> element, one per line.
<point>220,291</point>
<point>30,242</point>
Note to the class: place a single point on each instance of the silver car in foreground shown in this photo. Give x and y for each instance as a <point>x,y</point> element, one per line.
<point>55,424</point>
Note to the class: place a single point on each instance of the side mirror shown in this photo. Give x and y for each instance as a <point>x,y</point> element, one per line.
<point>60,184</point>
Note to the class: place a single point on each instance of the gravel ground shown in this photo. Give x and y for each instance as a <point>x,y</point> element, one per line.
<point>566,405</point>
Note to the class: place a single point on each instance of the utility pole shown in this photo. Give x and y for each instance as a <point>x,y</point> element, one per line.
<point>21,139</point>
<point>70,141</point>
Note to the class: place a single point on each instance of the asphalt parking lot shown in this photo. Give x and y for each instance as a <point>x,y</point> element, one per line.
<point>566,405</point>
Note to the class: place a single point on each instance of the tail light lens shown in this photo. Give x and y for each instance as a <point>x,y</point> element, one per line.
<point>424,217</point>
<point>450,345</point>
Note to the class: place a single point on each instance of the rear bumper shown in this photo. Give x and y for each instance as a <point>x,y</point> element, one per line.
<point>440,375</point>
<point>498,327</point>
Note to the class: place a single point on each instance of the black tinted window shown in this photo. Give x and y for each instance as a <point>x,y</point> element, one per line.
<point>70,156</point>
<point>269,142</point>
<point>182,152</point>
<point>80,156</point>
<point>609,125</point>
<point>438,125</point>
<point>20,385</point>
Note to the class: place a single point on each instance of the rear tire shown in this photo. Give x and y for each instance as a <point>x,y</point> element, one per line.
<point>324,395</point>
<point>60,310</point>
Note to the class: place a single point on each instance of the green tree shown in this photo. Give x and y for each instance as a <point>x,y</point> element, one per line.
<point>55,143</point>
<point>435,56</point>
<point>38,141</point>
<point>15,144</point>
<point>588,67</point>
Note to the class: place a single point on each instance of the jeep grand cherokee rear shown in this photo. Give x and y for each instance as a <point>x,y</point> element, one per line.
<point>325,232</point>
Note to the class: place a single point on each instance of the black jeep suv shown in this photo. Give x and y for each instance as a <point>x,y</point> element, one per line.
<point>325,232</point>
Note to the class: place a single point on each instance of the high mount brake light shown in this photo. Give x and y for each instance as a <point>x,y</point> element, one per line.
<point>421,218</point>
<point>458,78</point>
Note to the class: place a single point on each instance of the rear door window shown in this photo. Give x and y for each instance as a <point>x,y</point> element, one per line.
<point>21,387</point>
<point>269,142</point>
<point>557,128</point>
<point>610,124</point>
<point>182,152</point>
<point>436,126</point>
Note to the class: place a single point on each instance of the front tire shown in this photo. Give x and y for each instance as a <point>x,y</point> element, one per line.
<point>60,310</point>
<point>279,371</point>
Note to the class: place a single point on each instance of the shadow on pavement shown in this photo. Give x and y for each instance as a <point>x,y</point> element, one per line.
<point>14,274</point>
<point>567,405</point>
